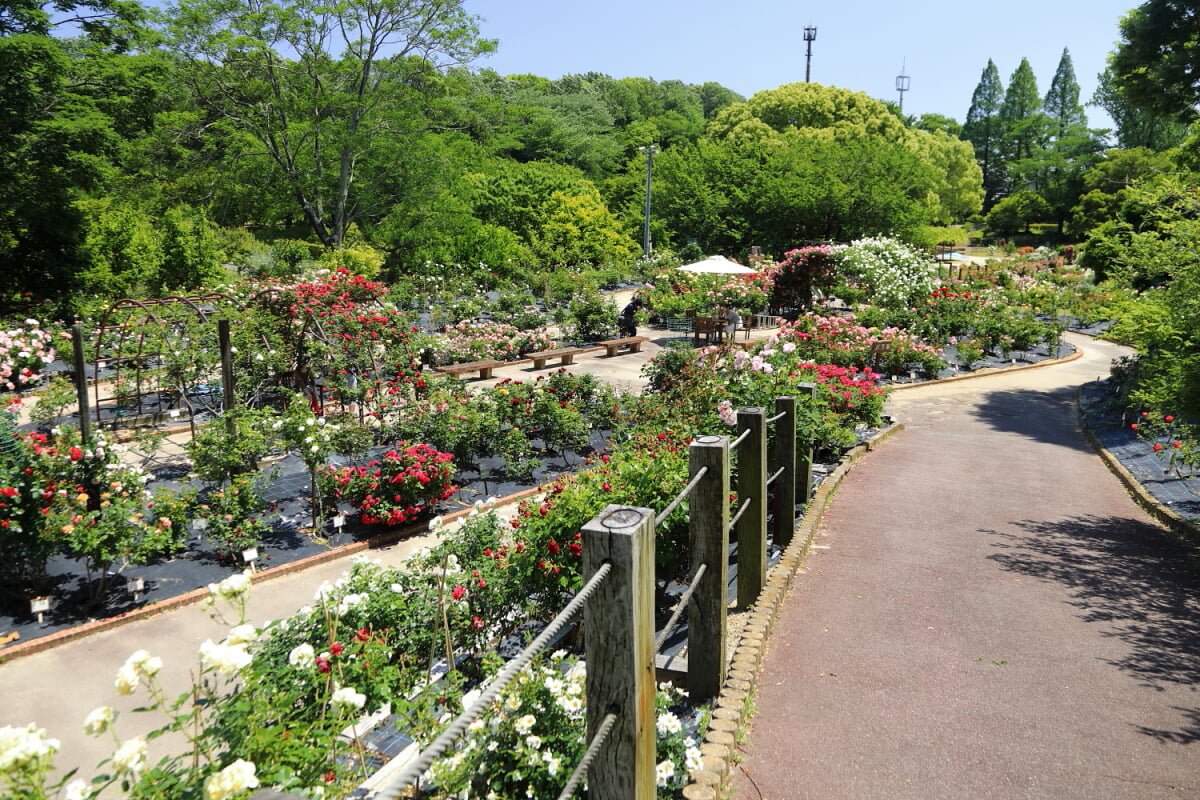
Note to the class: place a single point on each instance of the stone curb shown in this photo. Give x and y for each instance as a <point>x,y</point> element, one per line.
<point>733,705</point>
<point>43,643</point>
<point>1182,527</point>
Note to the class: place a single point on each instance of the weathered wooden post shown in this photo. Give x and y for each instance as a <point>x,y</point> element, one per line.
<point>619,635</point>
<point>785,460</point>
<point>808,393</point>
<point>81,383</point>
<point>708,530</point>
<point>752,489</point>
<point>228,397</point>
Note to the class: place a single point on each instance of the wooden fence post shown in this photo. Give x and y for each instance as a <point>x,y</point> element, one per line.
<point>81,383</point>
<point>227,389</point>
<point>804,470</point>
<point>618,625</point>
<point>785,459</point>
<point>752,524</point>
<point>708,530</point>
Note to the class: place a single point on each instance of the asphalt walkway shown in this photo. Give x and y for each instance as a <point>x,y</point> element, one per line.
<point>985,614</point>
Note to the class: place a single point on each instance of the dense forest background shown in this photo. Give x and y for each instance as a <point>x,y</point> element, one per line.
<point>155,150</point>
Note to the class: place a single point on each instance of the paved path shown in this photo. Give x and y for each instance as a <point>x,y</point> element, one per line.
<point>986,615</point>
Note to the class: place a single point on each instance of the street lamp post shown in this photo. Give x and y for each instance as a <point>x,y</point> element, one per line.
<point>810,35</point>
<point>650,151</point>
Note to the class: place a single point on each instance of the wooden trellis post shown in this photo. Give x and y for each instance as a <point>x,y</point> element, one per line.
<point>619,643</point>
<point>804,469</point>
<point>81,383</point>
<point>751,526</point>
<point>708,531</point>
<point>785,460</point>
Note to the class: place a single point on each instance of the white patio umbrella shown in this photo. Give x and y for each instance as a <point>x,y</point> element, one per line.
<point>718,265</point>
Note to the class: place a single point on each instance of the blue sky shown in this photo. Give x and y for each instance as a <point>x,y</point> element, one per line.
<point>753,45</point>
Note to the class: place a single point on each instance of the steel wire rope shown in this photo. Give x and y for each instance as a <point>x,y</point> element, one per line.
<point>589,756</point>
<point>742,510</point>
<point>777,473</point>
<point>679,607</point>
<point>687,490</point>
<point>456,728</point>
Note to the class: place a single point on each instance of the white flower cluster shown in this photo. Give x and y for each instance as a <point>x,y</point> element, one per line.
<point>139,665</point>
<point>896,273</point>
<point>25,747</point>
<point>232,587</point>
<point>237,777</point>
<point>226,658</point>
<point>346,700</point>
<point>99,720</point>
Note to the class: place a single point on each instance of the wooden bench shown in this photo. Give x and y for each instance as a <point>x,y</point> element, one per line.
<point>565,354</point>
<point>613,345</point>
<point>484,368</point>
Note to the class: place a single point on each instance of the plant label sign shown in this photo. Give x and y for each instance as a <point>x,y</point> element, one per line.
<point>39,606</point>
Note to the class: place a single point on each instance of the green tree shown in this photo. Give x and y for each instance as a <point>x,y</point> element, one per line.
<point>189,252</point>
<point>1136,126</point>
<point>121,249</point>
<point>1015,213</point>
<point>1061,103</point>
<point>1025,127</point>
<point>933,123</point>
<point>1154,65</point>
<point>68,109</point>
<point>985,130</point>
<point>327,94</point>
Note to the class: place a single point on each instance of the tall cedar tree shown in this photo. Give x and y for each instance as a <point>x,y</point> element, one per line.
<point>1062,100</point>
<point>1020,114</point>
<point>983,130</point>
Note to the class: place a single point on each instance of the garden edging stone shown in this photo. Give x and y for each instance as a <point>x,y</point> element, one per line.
<point>1179,525</point>
<point>49,641</point>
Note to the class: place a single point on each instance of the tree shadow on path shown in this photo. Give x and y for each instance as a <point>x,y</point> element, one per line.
<point>1047,417</point>
<point>1138,581</point>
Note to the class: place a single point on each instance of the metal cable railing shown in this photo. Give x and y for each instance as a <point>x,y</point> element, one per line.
<point>597,742</point>
<point>742,510</point>
<point>438,747</point>
<point>687,490</point>
<point>679,607</point>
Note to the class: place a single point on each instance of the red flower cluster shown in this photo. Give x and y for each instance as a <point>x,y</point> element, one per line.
<point>396,489</point>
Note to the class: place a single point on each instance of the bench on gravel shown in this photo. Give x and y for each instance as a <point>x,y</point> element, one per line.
<point>566,356</point>
<point>484,368</point>
<point>612,346</point>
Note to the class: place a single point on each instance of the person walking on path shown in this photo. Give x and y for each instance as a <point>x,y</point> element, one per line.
<point>986,614</point>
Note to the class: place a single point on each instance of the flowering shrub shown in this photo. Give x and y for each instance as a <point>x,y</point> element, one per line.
<point>477,341</point>
<point>24,352</point>
<point>801,273</point>
<point>1172,439</point>
<point>531,738</point>
<point>846,342</point>
<point>896,274</point>
<point>234,517</point>
<point>397,487</point>
<point>674,292</point>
